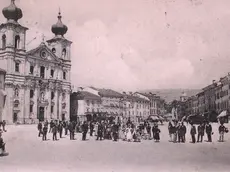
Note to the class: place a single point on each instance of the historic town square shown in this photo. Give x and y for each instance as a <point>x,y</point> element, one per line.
<point>114,86</point>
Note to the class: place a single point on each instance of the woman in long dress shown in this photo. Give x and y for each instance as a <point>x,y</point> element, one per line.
<point>129,135</point>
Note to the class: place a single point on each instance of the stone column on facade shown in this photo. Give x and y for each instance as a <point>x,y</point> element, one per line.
<point>8,109</point>
<point>26,112</point>
<point>48,107</point>
<point>36,106</point>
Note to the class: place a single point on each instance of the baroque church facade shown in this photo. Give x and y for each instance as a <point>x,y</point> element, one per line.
<point>37,82</point>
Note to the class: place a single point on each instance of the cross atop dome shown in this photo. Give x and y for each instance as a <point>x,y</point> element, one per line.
<point>59,29</point>
<point>12,13</point>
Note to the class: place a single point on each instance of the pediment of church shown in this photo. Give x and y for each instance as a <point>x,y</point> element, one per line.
<point>42,52</point>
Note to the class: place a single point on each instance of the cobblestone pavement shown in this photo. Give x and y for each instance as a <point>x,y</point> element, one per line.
<point>27,152</point>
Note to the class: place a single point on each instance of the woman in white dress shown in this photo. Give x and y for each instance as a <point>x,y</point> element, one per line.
<point>129,135</point>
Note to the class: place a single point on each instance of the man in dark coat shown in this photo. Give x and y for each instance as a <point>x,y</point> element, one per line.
<point>60,129</point>
<point>54,130</point>
<point>184,131</point>
<point>115,130</point>
<point>91,128</point>
<point>208,129</point>
<point>200,130</point>
<point>100,131</point>
<point>71,131</point>
<point>45,130</point>
<point>39,129</point>
<point>4,125</point>
<point>180,133</point>
<point>84,130</point>
<point>193,133</point>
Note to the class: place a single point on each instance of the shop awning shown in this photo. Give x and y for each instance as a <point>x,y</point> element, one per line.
<point>222,114</point>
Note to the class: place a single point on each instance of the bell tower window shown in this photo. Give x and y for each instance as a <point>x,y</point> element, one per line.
<point>17,42</point>
<point>51,73</point>
<point>3,41</point>
<point>63,53</point>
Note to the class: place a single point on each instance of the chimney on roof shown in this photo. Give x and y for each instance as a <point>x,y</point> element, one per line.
<point>150,93</point>
<point>213,81</point>
<point>124,92</point>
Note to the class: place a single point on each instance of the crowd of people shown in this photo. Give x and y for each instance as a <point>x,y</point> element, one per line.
<point>101,130</point>
<point>177,131</point>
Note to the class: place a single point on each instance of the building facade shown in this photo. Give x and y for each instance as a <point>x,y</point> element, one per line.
<point>84,105</point>
<point>2,91</point>
<point>37,81</point>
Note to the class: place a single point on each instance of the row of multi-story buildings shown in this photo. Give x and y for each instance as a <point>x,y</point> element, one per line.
<point>87,103</point>
<point>212,99</point>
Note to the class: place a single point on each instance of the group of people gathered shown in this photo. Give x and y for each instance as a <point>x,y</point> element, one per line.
<point>177,131</point>
<point>105,129</point>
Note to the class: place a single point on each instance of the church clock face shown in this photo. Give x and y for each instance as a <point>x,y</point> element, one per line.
<point>17,30</point>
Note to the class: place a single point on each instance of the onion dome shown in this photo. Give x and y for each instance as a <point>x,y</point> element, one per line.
<point>59,28</point>
<point>12,12</point>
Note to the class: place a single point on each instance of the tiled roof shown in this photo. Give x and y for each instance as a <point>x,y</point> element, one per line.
<point>134,98</point>
<point>109,93</point>
<point>86,95</point>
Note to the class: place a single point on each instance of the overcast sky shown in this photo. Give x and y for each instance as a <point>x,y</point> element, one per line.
<point>137,44</point>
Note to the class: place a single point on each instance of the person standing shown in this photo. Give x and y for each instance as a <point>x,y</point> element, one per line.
<point>71,130</point>
<point>184,131</point>
<point>200,130</point>
<point>209,131</point>
<point>193,133</point>
<point>91,128</point>
<point>180,133</point>
<point>39,129</point>
<point>45,130</point>
<point>4,125</point>
<point>157,134</point>
<point>99,131</point>
<point>84,130</point>
<point>115,131</point>
<point>148,128</point>
<point>66,127</point>
<point>54,130</point>
<point>170,131</point>
<point>222,130</point>
<point>60,129</point>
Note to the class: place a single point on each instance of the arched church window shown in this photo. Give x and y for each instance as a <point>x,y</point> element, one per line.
<point>63,53</point>
<point>54,50</point>
<point>3,41</point>
<point>17,42</point>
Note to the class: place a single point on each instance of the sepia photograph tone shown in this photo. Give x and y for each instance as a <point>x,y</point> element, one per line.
<point>114,85</point>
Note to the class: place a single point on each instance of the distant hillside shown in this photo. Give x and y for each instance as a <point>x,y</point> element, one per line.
<point>172,94</point>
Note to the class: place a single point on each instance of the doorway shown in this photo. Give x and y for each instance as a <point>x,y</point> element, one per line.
<point>15,117</point>
<point>41,114</point>
<point>63,117</point>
